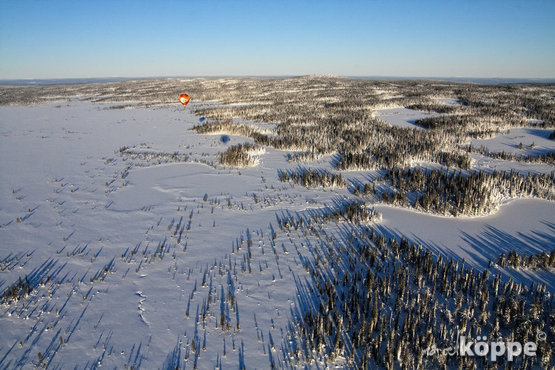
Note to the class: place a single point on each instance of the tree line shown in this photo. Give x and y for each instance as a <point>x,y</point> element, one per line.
<point>310,177</point>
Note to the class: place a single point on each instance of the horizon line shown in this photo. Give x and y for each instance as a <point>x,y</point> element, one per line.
<point>84,80</point>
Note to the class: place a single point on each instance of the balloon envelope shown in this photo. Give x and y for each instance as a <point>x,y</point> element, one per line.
<point>184,99</point>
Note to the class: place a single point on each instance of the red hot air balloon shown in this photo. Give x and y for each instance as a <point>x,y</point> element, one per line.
<point>184,99</point>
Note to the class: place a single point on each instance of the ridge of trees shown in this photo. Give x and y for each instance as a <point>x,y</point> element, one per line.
<point>310,177</point>
<point>351,211</point>
<point>238,155</point>
<point>456,193</point>
<point>533,262</point>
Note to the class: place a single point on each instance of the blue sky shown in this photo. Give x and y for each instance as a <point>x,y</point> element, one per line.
<point>78,39</point>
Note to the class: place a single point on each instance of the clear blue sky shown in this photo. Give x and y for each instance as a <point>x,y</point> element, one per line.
<point>77,39</point>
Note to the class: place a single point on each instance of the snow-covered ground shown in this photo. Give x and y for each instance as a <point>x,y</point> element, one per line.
<point>448,101</point>
<point>488,164</point>
<point>403,117</point>
<point>523,225</point>
<point>139,260</point>
<point>519,141</point>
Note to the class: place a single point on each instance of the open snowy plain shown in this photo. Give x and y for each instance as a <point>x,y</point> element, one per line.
<point>131,246</point>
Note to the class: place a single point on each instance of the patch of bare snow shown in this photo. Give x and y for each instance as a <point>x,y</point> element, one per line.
<point>448,101</point>
<point>519,141</point>
<point>403,117</point>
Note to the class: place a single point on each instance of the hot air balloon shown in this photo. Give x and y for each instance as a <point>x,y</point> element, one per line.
<point>184,99</point>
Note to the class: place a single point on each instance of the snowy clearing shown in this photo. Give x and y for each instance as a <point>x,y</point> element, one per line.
<point>519,141</point>
<point>403,117</point>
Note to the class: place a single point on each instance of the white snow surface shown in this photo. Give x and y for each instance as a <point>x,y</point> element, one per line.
<point>100,231</point>
<point>448,101</point>
<point>403,117</point>
<point>535,141</point>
